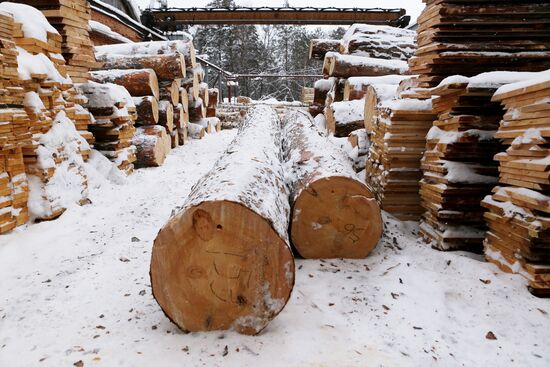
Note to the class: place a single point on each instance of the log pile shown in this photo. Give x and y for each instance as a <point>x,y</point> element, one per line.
<point>397,128</point>
<point>45,113</point>
<point>224,261</point>
<point>334,215</point>
<point>518,214</point>
<point>459,170</point>
<point>114,118</point>
<point>501,35</point>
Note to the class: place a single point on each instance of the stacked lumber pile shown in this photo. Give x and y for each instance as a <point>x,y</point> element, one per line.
<point>457,37</point>
<point>114,114</point>
<point>45,114</point>
<point>518,214</point>
<point>459,170</point>
<point>70,18</point>
<point>397,128</point>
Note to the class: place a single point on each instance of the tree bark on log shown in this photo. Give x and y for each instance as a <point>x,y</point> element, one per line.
<point>147,110</point>
<point>356,87</point>
<point>334,215</point>
<point>180,119</point>
<point>224,262</point>
<point>318,48</point>
<point>166,116</point>
<point>346,66</point>
<point>167,67</point>
<point>191,83</point>
<point>142,82</point>
<point>152,146</point>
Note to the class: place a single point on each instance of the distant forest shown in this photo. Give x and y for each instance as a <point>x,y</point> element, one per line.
<point>278,49</point>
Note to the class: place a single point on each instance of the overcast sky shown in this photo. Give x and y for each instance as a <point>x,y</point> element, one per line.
<point>413,7</point>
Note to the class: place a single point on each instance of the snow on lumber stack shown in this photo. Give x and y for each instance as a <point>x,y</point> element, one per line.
<point>519,209</point>
<point>138,82</point>
<point>152,146</point>
<point>397,129</point>
<point>224,261</point>
<point>71,19</point>
<point>344,117</point>
<point>459,169</point>
<point>334,215</point>
<point>466,38</point>
<point>41,124</point>
<point>345,66</point>
<point>318,48</point>
<point>113,127</point>
<point>381,42</point>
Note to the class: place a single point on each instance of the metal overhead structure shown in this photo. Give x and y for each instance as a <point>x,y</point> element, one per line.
<point>174,19</point>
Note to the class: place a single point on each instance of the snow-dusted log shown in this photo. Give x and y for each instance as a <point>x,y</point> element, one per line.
<point>166,115</point>
<point>181,118</point>
<point>318,48</point>
<point>142,82</point>
<point>356,87</point>
<point>345,117</point>
<point>195,131</point>
<point>183,47</point>
<point>147,109</point>
<point>327,63</point>
<point>152,146</point>
<point>167,67</point>
<point>170,90</point>
<point>197,110</point>
<point>333,213</point>
<point>203,93</point>
<point>183,136</point>
<point>224,261</point>
<point>345,66</point>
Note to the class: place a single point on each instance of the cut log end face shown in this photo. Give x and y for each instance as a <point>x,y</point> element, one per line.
<point>335,218</point>
<point>209,272</point>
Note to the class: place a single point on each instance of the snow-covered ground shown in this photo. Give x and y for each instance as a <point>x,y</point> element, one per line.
<point>76,291</point>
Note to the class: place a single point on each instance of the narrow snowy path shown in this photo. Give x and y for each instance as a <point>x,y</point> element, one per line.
<point>77,289</point>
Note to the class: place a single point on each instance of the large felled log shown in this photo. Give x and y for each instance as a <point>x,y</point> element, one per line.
<point>318,48</point>
<point>166,115</point>
<point>147,109</point>
<point>142,82</point>
<point>195,131</point>
<point>170,90</point>
<point>152,146</point>
<point>224,261</point>
<point>333,213</point>
<point>356,87</point>
<point>184,47</point>
<point>167,67</point>
<point>197,110</point>
<point>345,117</point>
<point>345,66</point>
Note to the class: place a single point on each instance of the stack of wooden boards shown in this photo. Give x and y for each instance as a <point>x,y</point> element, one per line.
<point>397,125</point>
<point>459,170</point>
<point>70,18</point>
<point>165,82</point>
<point>45,149</point>
<point>519,209</point>
<point>469,37</point>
